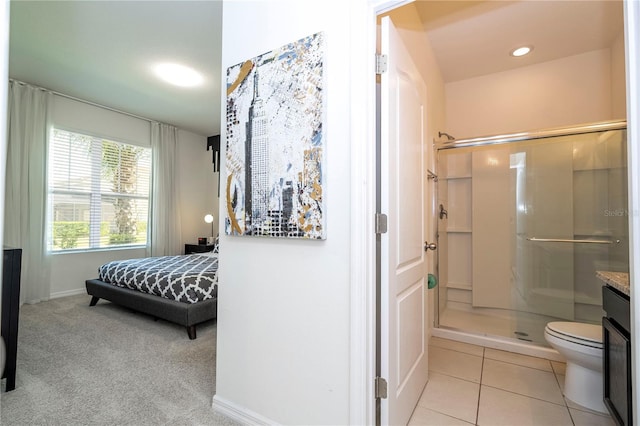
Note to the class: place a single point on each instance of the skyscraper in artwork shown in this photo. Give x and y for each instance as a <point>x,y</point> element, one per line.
<point>275,143</point>
<point>257,162</point>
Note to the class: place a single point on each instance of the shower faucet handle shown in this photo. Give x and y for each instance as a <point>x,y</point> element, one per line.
<point>443,213</point>
<point>430,246</point>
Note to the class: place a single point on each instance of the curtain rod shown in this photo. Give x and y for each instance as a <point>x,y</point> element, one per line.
<point>89,102</point>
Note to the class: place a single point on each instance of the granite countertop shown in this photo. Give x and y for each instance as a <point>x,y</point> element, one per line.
<point>617,280</point>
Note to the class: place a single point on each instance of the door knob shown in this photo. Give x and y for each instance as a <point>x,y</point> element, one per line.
<point>430,246</point>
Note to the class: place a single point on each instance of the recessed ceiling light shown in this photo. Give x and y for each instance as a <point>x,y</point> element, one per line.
<point>178,75</point>
<point>521,51</point>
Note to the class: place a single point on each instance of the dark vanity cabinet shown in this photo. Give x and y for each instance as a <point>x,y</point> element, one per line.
<point>11,266</point>
<point>617,355</point>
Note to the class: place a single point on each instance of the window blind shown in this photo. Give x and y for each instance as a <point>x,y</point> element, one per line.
<point>98,192</point>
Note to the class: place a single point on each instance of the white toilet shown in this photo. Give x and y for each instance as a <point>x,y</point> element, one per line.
<point>581,345</point>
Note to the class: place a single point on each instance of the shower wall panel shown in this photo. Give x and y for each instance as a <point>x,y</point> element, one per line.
<point>491,247</point>
<point>455,239</point>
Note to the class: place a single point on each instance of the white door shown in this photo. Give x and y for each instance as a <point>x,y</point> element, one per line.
<point>404,316</point>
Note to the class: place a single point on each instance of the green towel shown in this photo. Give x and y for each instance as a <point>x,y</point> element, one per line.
<point>432,281</point>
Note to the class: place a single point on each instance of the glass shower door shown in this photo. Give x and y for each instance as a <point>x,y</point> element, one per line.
<point>529,224</point>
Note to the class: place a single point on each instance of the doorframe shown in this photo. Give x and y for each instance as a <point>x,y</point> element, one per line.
<point>363,207</point>
<point>363,173</point>
<point>632,57</point>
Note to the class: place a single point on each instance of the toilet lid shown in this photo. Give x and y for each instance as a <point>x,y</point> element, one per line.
<point>578,330</point>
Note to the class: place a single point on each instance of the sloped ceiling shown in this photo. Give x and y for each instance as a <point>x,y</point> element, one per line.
<point>101,51</point>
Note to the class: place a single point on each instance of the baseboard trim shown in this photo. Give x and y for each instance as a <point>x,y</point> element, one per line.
<point>238,413</point>
<point>66,293</point>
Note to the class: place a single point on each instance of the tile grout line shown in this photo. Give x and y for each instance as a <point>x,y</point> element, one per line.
<point>484,357</point>
<point>570,415</point>
<point>524,395</point>
<point>459,351</point>
<point>527,396</point>
<point>520,365</point>
<point>564,404</point>
<point>480,386</point>
<point>555,374</point>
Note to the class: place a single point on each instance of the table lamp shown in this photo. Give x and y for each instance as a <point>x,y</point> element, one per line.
<point>209,219</point>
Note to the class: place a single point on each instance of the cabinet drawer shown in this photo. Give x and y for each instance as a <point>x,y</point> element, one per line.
<point>616,305</point>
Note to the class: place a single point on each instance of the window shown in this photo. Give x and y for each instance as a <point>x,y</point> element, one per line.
<point>98,192</point>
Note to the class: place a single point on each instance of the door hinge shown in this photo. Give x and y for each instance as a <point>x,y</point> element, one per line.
<point>381,64</point>
<point>381,223</point>
<point>381,388</point>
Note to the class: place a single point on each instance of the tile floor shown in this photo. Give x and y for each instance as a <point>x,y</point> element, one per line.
<point>471,384</point>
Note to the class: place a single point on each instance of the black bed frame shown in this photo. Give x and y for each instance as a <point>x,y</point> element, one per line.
<point>186,314</point>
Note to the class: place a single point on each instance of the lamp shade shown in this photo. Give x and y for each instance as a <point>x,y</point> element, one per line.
<point>209,219</point>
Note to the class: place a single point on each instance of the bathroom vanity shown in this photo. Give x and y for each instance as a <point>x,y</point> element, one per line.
<point>617,345</point>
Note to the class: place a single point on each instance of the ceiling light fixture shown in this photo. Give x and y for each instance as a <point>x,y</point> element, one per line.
<point>521,51</point>
<point>178,75</point>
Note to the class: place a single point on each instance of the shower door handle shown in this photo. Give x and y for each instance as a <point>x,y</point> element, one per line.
<point>430,246</point>
<point>561,240</point>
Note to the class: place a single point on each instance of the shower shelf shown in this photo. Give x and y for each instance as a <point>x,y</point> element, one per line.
<point>459,286</point>
<point>594,233</point>
<point>459,230</point>
<point>457,177</point>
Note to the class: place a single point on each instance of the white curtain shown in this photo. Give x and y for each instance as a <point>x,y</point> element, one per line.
<point>166,238</point>
<point>26,187</point>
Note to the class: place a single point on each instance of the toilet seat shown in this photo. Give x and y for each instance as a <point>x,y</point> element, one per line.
<point>580,333</point>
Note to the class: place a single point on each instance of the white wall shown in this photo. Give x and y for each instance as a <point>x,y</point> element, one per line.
<point>564,92</point>
<point>618,86</point>
<point>284,308</point>
<point>82,117</point>
<point>70,270</point>
<point>198,187</point>
<point>198,191</point>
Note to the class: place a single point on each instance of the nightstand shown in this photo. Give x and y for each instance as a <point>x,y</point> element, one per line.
<point>197,248</point>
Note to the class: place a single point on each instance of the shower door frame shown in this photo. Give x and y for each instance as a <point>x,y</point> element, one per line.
<point>497,341</point>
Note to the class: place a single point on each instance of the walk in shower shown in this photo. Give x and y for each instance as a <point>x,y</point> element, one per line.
<point>524,223</point>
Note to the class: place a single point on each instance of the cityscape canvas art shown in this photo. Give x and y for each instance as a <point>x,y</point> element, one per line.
<point>275,141</point>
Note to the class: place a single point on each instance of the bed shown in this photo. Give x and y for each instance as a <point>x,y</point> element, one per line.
<point>181,289</point>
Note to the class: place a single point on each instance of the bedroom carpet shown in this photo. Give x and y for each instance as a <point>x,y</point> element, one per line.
<point>106,365</point>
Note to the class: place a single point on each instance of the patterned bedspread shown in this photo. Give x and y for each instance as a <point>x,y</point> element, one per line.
<point>187,278</point>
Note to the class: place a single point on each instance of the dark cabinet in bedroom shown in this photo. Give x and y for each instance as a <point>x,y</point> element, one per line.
<point>197,248</point>
<point>11,266</point>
